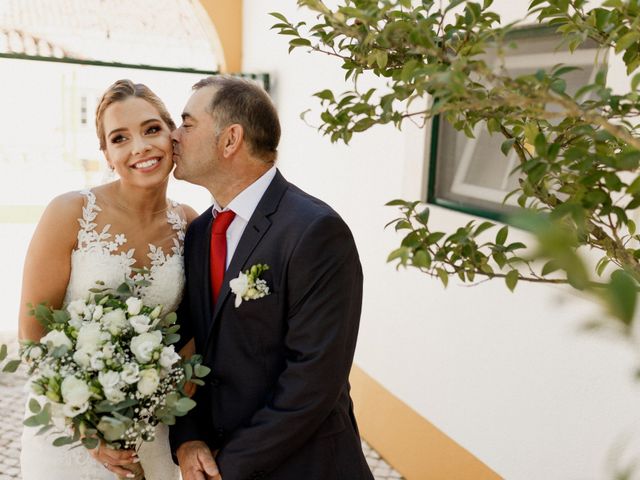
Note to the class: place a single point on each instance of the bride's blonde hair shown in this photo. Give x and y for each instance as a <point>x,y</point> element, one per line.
<point>121,90</point>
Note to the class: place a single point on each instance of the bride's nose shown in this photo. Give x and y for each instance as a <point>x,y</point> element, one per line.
<point>140,146</point>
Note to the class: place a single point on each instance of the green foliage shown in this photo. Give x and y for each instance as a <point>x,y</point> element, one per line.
<point>578,153</point>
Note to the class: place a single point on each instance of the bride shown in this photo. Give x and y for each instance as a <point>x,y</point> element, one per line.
<point>124,228</point>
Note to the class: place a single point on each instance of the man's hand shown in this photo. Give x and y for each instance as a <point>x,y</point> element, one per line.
<point>196,462</point>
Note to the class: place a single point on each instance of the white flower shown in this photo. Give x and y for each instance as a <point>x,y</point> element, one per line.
<point>130,373</point>
<point>55,339</point>
<point>97,361</point>
<point>35,353</point>
<point>140,323</point>
<point>115,321</point>
<point>97,313</point>
<point>134,305</point>
<point>149,381</point>
<point>145,344</point>
<point>108,350</point>
<point>90,337</point>
<point>72,410</point>
<point>76,322</point>
<point>120,239</point>
<point>76,308</point>
<point>239,287</point>
<point>168,357</point>
<point>109,379</point>
<point>75,392</point>
<point>114,395</point>
<point>82,357</point>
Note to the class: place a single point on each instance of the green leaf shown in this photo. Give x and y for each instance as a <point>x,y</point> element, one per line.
<point>507,145</point>
<point>3,352</point>
<point>34,406</point>
<point>188,371</point>
<point>184,405</point>
<point>11,366</point>
<point>421,259</point>
<point>512,279</point>
<point>501,237</point>
<point>201,371</point>
<point>549,267</point>
<point>61,441</point>
<point>444,276</point>
<point>279,16</point>
<point>627,40</point>
<point>482,227</point>
<point>90,442</point>
<point>622,296</point>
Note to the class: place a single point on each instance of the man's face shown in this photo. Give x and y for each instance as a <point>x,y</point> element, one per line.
<point>194,142</point>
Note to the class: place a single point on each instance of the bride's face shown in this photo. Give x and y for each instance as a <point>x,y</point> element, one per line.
<point>138,142</point>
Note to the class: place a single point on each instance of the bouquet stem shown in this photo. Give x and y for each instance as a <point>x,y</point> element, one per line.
<point>136,469</point>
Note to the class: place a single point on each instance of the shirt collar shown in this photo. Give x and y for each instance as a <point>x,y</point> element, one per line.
<point>245,203</point>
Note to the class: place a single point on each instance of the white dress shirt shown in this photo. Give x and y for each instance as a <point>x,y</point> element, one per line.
<point>243,205</point>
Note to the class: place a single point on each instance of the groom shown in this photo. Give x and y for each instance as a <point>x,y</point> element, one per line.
<point>276,404</point>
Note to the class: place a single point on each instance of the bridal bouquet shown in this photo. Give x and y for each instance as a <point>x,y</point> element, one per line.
<point>108,370</point>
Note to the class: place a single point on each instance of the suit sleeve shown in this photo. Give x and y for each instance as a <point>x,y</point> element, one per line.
<point>324,290</point>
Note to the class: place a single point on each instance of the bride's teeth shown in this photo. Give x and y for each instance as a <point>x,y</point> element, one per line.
<point>146,164</point>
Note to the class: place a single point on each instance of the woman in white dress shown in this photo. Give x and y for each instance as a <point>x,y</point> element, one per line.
<point>105,234</point>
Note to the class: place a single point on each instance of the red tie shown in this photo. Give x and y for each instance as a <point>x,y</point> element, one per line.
<point>218,261</point>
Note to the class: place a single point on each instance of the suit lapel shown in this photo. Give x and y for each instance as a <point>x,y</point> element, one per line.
<point>253,233</point>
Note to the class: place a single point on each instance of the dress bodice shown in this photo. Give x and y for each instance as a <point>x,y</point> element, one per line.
<point>100,256</point>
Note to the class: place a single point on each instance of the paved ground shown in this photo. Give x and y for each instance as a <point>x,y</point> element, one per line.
<point>12,398</point>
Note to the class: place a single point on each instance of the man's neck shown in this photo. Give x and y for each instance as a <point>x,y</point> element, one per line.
<point>228,186</point>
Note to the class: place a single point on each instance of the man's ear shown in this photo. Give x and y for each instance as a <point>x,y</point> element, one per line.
<point>232,139</point>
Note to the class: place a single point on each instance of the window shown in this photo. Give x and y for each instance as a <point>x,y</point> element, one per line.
<point>471,174</point>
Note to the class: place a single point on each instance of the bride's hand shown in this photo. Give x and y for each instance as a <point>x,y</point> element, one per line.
<point>114,460</point>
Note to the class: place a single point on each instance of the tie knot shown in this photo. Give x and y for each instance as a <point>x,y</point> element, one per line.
<point>222,222</point>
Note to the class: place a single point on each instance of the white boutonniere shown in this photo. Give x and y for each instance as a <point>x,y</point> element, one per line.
<point>248,285</point>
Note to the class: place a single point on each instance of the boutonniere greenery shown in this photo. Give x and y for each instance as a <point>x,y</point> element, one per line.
<point>248,285</point>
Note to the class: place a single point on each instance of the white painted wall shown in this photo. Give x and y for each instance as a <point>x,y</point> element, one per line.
<point>508,376</point>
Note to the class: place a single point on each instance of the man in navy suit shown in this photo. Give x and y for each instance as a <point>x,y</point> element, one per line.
<point>276,404</point>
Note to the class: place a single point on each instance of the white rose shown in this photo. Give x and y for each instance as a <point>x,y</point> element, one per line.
<point>130,373</point>
<point>88,311</point>
<point>76,322</point>
<point>149,381</point>
<point>90,337</point>
<point>82,357</point>
<point>98,312</point>
<point>75,392</point>
<point>168,357</point>
<point>108,350</point>
<point>97,361</point>
<point>109,379</point>
<point>76,308</point>
<point>72,410</point>
<point>145,344</point>
<point>134,305</point>
<point>55,339</point>
<point>140,323</point>
<point>35,353</point>
<point>115,321</point>
<point>239,287</point>
<point>114,395</point>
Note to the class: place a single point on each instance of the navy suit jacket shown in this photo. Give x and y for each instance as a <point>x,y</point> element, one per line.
<point>277,403</point>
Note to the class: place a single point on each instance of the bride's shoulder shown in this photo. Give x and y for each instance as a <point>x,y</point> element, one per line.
<point>66,208</point>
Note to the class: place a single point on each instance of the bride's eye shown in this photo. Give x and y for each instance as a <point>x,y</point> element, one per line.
<point>118,139</point>
<point>153,129</point>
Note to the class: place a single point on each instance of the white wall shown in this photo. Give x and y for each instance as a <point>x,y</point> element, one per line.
<point>507,376</point>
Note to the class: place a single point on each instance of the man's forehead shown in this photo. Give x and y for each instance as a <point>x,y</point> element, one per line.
<point>201,98</point>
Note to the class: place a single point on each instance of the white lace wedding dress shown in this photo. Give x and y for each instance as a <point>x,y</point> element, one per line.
<point>98,257</point>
